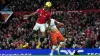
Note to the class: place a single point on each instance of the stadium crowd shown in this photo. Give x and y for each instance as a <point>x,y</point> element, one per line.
<point>27,5</point>
<point>80,31</point>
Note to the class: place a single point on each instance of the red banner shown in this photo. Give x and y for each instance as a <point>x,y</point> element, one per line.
<point>83,11</point>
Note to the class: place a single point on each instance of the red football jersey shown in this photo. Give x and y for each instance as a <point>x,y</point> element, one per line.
<point>43,16</point>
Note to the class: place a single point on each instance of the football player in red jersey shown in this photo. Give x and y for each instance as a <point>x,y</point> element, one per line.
<point>43,16</point>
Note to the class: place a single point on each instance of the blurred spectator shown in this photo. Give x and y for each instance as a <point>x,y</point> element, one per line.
<point>98,37</point>
<point>29,5</point>
<point>2,4</point>
<point>81,30</point>
<point>62,30</point>
<point>97,44</point>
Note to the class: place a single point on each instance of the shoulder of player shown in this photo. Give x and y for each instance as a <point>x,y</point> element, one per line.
<point>52,19</point>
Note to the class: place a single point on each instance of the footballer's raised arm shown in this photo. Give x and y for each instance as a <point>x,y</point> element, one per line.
<point>59,23</point>
<point>33,13</point>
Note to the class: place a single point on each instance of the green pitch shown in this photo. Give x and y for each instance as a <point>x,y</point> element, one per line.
<point>66,55</point>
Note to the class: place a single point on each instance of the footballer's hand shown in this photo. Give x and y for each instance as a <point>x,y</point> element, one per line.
<point>26,16</point>
<point>61,24</point>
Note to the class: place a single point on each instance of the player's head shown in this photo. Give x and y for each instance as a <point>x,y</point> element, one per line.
<point>48,4</point>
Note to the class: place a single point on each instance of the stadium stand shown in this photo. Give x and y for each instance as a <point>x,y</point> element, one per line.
<point>81,30</point>
<point>27,5</point>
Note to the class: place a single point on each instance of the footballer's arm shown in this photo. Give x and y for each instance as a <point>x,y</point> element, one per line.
<point>59,23</point>
<point>26,16</point>
<point>33,13</point>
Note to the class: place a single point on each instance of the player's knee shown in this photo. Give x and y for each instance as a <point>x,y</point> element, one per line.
<point>43,34</point>
<point>62,39</point>
<point>55,43</point>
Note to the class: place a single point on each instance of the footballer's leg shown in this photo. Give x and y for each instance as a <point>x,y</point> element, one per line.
<point>61,39</point>
<point>42,29</point>
<point>55,44</point>
<point>35,31</point>
<point>36,27</point>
